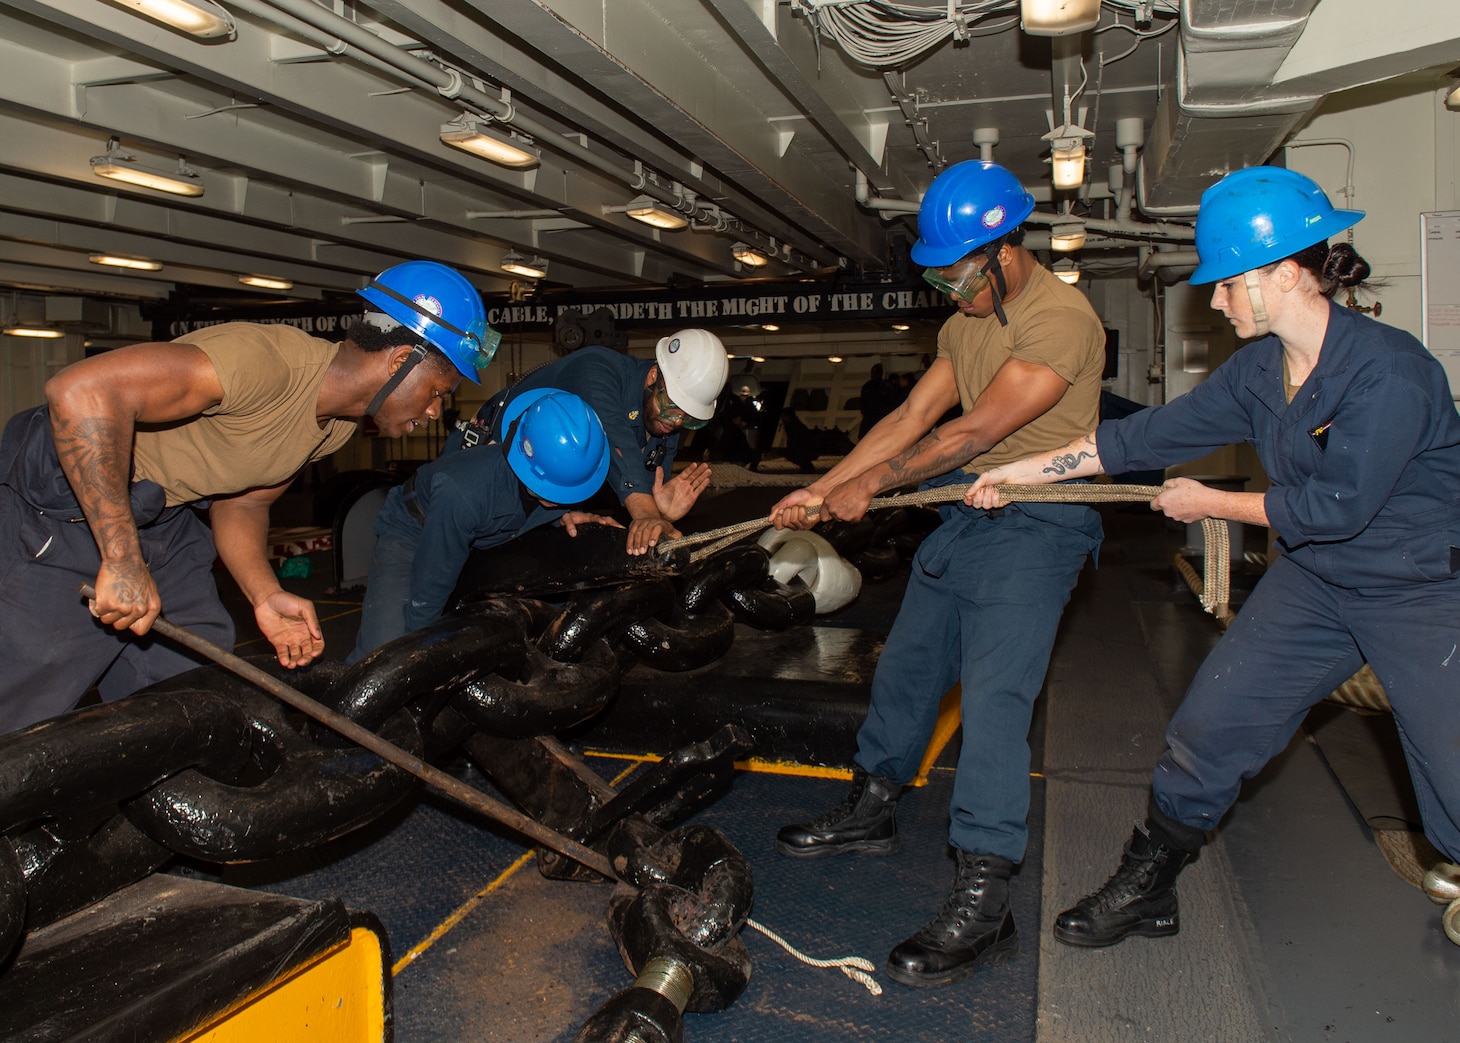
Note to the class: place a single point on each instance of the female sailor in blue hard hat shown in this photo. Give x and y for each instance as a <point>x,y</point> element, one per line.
<point>222,417</point>
<point>1023,359</point>
<point>554,454</point>
<point>1356,428</point>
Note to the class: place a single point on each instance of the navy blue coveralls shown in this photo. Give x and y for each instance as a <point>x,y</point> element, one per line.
<point>1365,497</point>
<point>613,384</point>
<point>427,528</point>
<point>47,551</point>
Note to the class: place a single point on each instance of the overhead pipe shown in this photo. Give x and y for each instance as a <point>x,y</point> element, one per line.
<point>451,85</point>
<point>1130,135</point>
<point>1153,261</point>
<point>1162,231</point>
<point>322,39</point>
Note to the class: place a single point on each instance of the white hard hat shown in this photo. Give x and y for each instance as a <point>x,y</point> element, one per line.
<point>695,367</point>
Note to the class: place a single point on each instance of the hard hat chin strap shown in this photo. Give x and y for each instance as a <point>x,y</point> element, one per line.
<point>1254,298</point>
<point>418,353</point>
<point>1000,286</point>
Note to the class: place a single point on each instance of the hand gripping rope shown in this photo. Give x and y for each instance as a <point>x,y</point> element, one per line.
<point>1215,591</point>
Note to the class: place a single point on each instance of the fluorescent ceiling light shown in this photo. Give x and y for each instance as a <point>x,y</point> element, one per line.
<point>33,331</point>
<point>833,358</point>
<point>749,256</point>
<point>199,17</point>
<point>477,137</point>
<point>901,327</point>
<point>119,166</point>
<point>652,212</point>
<point>141,264</point>
<point>1067,237</point>
<point>528,268</point>
<point>757,358</point>
<point>266,282</point>
<point>1065,271</point>
<point>1058,17</point>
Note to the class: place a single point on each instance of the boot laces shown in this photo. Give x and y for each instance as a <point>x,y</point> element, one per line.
<point>849,803</point>
<point>1132,879</point>
<point>962,904</point>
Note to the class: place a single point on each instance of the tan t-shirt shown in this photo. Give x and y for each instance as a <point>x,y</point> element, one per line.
<point>265,428</point>
<point>1050,324</point>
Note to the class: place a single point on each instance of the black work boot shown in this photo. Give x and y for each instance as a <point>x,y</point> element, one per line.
<point>864,822</point>
<point>1140,898</point>
<point>975,928</point>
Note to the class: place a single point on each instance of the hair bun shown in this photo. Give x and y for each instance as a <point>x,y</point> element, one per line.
<point>1345,266</point>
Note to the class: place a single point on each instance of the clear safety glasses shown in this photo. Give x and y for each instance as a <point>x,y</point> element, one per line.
<point>965,279</point>
<point>672,414</point>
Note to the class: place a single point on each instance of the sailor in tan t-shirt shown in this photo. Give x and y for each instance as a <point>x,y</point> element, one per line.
<point>99,485</point>
<point>1023,357</point>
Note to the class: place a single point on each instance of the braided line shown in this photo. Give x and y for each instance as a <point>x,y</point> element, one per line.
<point>854,967</point>
<point>1214,593</point>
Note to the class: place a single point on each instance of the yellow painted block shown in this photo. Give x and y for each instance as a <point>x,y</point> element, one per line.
<point>336,998</point>
<point>950,716</point>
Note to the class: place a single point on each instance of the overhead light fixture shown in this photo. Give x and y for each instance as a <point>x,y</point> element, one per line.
<point>833,358</point>
<point>1058,17</point>
<point>651,212</point>
<point>901,327</point>
<point>198,17</point>
<point>749,256</point>
<point>1452,99</point>
<point>528,268</point>
<point>1066,271</point>
<point>474,135</point>
<point>119,166</point>
<point>141,264</point>
<point>770,327</point>
<point>266,282</point>
<point>39,332</point>
<point>1067,237</point>
<point>757,358</point>
<point>1067,155</point>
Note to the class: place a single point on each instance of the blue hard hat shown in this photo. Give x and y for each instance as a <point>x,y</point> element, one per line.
<point>438,304</point>
<point>1259,216</point>
<point>967,206</point>
<point>558,449</point>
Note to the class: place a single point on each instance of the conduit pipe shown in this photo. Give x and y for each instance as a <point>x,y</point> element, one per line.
<point>1153,261</point>
<point>450,84</point>
<point>325,41</point>
<point>1162,231</point>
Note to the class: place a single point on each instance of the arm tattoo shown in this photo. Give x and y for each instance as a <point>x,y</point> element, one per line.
<point>1064,463</point>
<point>1067,462</point>
<point>931,456</point>
<point>96,455</point>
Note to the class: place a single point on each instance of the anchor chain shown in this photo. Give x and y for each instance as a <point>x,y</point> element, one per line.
<point>205,766</point>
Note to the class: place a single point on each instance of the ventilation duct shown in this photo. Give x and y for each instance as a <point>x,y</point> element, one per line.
<point>1222,113</point>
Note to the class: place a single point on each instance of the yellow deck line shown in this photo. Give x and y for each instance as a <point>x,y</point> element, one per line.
<point>459,914</point>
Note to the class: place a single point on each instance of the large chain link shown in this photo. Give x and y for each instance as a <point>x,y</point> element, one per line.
<point>206,766</point>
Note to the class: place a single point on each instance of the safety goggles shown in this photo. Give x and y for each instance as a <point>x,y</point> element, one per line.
<point>672,414</point>
<point>965,279</point>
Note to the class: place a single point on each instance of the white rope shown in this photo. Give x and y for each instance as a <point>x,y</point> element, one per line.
<point>854,967</point>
